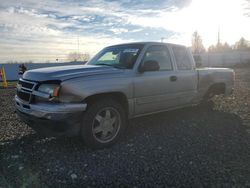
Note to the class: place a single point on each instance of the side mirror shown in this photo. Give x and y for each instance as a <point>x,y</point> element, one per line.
<point>149,65</point>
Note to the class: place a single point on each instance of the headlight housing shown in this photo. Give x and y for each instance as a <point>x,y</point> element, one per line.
<point>51,89</point>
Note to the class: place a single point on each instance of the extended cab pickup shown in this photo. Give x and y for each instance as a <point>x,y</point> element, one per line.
<point>120,82</point>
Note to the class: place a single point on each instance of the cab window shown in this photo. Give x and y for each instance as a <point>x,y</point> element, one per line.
<point>182,58</point>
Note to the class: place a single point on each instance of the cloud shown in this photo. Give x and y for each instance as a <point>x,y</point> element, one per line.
<point>151,4</point>
<point>49,29</point>
<point>46,30</point>
<point>246,6</point>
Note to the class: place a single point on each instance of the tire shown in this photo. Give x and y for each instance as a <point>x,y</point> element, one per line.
<point>207,102</point>
<point>103,123</point>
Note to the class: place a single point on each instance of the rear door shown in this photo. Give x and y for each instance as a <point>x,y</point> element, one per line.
<point>187,77</point>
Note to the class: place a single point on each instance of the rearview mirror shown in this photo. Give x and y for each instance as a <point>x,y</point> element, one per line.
<point>149,65</point>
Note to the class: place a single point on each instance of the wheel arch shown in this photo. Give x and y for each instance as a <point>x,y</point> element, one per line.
<point>216,89</point>
<point>117,96</point>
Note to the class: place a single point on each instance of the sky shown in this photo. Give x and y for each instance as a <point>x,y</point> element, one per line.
<point>46,30</point>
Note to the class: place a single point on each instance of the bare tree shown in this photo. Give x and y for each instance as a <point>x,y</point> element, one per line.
<point>242,44</point>
<point>226,47</point>
<point>220,47</point>
<point>75,56</point>
<point>211,48</point>
<point>197,45</point>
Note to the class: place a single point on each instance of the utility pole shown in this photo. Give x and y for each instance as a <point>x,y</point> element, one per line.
<point>218,40</point>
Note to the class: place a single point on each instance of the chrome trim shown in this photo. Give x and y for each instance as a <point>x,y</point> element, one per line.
<point>27,81</point>
<point>41,94</point>
<point>25,89</point>
<point>30,82</point>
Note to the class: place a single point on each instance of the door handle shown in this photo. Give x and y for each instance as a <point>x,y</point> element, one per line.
<point>173,78</point>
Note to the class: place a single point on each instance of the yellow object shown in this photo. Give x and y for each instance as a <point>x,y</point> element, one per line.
<point>3,75</point>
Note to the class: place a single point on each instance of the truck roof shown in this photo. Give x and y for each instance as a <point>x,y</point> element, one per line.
<point>144,43</point>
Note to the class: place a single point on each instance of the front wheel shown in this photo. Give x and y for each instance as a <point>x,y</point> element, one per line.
<point>103,123</point>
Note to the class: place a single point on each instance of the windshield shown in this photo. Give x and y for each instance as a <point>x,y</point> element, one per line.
<point>120,56</point>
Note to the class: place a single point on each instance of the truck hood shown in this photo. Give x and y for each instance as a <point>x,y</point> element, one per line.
<point>68,72</point>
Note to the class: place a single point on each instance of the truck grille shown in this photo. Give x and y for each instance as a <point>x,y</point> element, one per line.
<point>24,90</point>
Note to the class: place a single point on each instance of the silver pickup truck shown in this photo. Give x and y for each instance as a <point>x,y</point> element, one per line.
<point>121,82</point>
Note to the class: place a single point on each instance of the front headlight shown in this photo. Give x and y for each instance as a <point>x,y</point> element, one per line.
<point>51,89</point>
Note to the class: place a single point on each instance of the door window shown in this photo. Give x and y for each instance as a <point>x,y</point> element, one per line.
<point>161,55</point>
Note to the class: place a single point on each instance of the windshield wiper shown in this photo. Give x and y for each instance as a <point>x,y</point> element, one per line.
<point>110,65</point>
<point>103,64</point>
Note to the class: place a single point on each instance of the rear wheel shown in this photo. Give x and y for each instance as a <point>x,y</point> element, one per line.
<point>103,123</point>
<point>207,99</point>
<point>215,89</point>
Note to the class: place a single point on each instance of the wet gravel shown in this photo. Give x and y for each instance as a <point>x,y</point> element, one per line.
<point>192,147</point>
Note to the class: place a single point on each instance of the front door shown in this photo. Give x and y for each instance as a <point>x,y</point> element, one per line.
<point>156,90</point>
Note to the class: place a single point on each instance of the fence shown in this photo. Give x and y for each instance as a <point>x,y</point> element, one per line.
<point>225,59</point>
<point>12,69</point>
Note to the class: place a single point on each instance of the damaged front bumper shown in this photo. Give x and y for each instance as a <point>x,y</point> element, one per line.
<point>52,119</point>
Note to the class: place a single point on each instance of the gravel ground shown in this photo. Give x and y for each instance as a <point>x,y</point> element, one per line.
<point>191,147</point>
